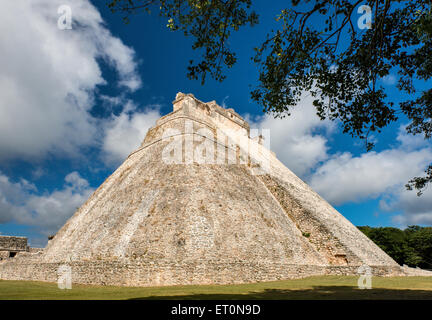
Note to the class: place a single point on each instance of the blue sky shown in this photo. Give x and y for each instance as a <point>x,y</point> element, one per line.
<point>74,103</point>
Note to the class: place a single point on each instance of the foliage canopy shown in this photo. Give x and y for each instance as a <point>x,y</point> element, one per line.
<point>412,246</point>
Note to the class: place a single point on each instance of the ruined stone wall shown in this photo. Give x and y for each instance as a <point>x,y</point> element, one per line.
<point>211,112</point>
<point>167,273</point>
<point>196,132</point>
<point>416,272</point>
<point>4,255</point>
<point>13,243</point>
<point>311,228</point>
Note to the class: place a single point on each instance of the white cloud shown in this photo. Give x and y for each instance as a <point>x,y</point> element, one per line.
<point>411,142</point>
<point>20,202</point>
<point>299,140</point>
<point>38,172</point>
<point>413,209</point>
<point>48,76</point>
<point>389,79</point>
<point>125,132</point>
<point>224,104</point>
<point>345,178</point>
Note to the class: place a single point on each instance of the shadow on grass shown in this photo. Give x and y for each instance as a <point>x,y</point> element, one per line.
<point>318,292</point>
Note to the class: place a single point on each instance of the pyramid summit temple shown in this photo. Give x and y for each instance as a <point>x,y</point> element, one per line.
<point>202,202</point>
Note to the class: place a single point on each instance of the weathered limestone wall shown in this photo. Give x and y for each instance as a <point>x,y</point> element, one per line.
<point>211,112</point>
<point>314,230</point>
<point>4,255</point>
<point>13,243</point>
<point>166,273</point>
<point>416,272</point>
<point>180,223</point>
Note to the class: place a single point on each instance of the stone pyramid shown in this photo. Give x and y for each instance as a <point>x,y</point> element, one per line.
<point>200,202</point>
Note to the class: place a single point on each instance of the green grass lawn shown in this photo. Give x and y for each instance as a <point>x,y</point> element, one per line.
<point>323,287</point>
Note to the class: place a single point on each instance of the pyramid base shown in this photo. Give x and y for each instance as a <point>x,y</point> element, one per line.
<point>145,274</point>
